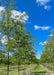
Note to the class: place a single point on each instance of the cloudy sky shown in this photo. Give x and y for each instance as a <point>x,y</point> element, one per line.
<point>41,19</point>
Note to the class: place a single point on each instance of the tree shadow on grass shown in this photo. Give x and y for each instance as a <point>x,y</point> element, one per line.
<point>39,73</point>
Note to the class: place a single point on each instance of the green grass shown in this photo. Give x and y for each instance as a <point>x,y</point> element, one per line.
<point>11,68</point>
<point>49,66</point>
<point>28,67</point>
<point>2,73</point>
<point>14,68</point>
<point>38,71</point>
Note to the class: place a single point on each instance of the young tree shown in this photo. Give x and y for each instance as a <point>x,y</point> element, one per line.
<point>6,28</point>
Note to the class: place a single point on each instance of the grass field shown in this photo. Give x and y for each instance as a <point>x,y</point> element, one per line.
<point>14,70</point>
<point>49,66</point>
<point>38,71</point>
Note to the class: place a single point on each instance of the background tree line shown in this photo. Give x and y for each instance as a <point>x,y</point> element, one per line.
<point>47,55</point>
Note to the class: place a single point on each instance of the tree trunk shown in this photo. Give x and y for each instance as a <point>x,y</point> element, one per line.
<point>24,69</point>
<point>8,65</point>
<point>18,69</point>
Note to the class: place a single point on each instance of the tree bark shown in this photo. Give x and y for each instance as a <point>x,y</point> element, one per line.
<point>8,64</point>
<point>18,69</point>
<point>24,69</point>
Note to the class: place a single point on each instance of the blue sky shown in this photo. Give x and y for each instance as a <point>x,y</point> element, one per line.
<point>41,13</point>
<point>41,19</point>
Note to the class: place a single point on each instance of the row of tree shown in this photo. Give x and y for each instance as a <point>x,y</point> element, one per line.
<point>47,55</point>
<point>16,45</point>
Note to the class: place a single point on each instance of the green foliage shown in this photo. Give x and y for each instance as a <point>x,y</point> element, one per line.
<point>20,44</point>
<point>48,52</point>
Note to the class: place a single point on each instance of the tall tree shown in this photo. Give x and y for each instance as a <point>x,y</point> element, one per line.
<point>6,27</point>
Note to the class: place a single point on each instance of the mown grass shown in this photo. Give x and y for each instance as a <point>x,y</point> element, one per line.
<point>13,70</point>
<point>49,66</point>
<point>38,71</point>
<point>28,67</point>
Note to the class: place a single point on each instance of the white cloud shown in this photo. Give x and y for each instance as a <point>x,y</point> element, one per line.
<point>4,40</point>
<point>2,8</point>
<point>18,16</point>
<point>40,43</point>
<point>51,34</point>
<point>44,3</point>
<point>40,27</point>
<point>43,43</point>
<point>47,7</point>
<point>36,27</point>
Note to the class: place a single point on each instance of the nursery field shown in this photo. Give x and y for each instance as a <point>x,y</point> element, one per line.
<point>32,69</point>
<point>26,37</point>
<point>49,66</point>
<point>13,70</point>
<point>43,69</point>
<point>38,70</point>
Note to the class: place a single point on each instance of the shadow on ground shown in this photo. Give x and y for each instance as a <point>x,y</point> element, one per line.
<point>39,73</point>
